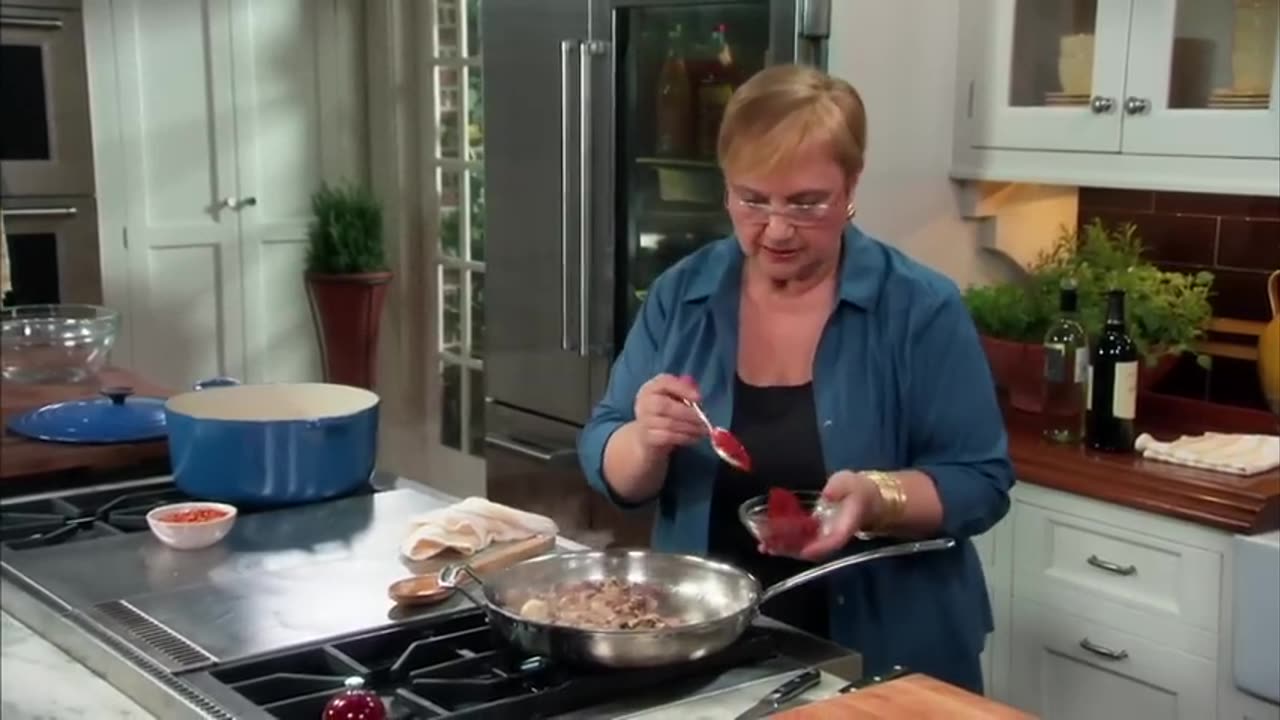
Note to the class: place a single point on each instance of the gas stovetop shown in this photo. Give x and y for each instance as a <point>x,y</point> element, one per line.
<point>88,515</point>
<point>270,622</point>
<point>454,668</point>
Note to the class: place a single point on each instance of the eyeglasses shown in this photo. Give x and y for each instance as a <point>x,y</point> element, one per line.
<point>796,214</point>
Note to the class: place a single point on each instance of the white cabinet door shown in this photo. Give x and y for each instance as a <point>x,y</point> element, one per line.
<point>1203,78</point>
<point>1064,667</point>
<point>280,117</point>
<point>1050,75</point>
<point>178,157</point>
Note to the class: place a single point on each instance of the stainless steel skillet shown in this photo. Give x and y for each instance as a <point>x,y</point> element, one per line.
<point>714,602</point>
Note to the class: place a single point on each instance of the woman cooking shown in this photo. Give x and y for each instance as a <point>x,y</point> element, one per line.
<point>841,365</point>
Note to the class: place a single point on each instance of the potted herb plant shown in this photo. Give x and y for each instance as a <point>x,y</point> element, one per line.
<point>347,280</point>
<point>1168,312</point>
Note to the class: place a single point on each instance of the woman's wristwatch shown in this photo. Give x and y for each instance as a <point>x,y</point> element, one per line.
<point>893,505</point>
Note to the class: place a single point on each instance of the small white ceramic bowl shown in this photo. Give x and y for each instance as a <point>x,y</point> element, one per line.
<point>191,535</point>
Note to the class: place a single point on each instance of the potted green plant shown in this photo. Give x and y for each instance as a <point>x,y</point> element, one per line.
<point>347,278</point>
<point>1168,312</point>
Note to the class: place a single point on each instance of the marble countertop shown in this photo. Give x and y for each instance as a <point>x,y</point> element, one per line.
<point>36,678</point>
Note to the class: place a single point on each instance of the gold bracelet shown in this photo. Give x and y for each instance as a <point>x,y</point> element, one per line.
<point>892,496</point>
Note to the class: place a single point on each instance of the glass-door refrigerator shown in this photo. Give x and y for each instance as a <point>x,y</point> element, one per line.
<point>601,123</point>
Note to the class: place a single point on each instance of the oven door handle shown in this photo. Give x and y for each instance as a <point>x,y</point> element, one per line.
<point>562,456</point>
<point>33,23</point>
<point>60,212</point>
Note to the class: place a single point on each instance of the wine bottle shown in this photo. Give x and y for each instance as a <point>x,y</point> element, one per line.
<point>1066,371</point>
<point>1113,383</point>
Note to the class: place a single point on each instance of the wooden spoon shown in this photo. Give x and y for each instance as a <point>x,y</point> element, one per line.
<point>425,589</point>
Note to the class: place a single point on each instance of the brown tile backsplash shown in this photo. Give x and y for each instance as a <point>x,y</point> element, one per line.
<point>1236,237</point>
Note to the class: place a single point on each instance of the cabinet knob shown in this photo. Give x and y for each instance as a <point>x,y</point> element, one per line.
<point>1102,105</point>
<point>1136,105</point>
<point>247,202</point>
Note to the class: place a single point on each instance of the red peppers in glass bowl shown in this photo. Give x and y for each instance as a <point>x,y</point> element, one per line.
<point>355,703</point>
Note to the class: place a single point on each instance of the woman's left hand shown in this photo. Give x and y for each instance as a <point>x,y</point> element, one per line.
<point>859,504</point>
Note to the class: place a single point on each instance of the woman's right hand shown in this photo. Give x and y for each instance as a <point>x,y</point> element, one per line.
<point>664,420</point>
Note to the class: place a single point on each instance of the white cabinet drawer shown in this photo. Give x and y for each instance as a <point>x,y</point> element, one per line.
<point>1065,667</point>
<point>1152,586</point>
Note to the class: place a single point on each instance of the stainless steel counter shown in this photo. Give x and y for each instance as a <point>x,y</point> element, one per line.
<point>279,579</point>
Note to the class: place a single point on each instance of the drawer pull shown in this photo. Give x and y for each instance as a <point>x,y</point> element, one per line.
<point>1111,567</point>
<point>1102,651</point>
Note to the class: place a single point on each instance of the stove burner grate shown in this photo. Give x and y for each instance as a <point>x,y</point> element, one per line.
<point>455,668</point>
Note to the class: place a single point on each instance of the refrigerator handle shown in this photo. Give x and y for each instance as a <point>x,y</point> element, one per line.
<point>566,167</point>
<point>815,19</point>
<point>586,76</point>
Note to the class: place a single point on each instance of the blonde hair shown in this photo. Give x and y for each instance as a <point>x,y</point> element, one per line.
<point>785,107</point>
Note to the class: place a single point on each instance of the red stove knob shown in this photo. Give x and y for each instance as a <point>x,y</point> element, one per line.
<point>355,703</point>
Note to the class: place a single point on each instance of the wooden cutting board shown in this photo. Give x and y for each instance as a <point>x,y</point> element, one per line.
<point>495,557</point>
<point>914,697</point>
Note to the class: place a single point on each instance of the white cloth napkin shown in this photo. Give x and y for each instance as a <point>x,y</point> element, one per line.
<point>1223,452</point>
<point>469,526</point>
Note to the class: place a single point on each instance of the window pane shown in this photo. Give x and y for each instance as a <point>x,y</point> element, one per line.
<point>451,310</point>
<point>473,28</point>
<point>476,421</point>
<point>449,233</point>
<point>448,31</point>
<point>477,314</point>
<point>451,405</point>
<point>1052,63</point>
<point>1223,54</point>
<point>475,113</point>
<point>448,112</point>
<point>476,219</point>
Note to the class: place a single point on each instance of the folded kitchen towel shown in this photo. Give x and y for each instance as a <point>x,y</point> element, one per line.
<point>469,526</point>
<point>1223,452</point>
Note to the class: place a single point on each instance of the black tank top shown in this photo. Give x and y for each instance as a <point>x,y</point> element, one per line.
<point>778,425</point>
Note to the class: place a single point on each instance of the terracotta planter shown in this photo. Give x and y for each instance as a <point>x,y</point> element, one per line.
<point>1018,370</point>
<point>348,314</point>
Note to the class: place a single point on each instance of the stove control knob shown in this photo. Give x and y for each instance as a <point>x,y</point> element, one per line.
<point>355,703</point>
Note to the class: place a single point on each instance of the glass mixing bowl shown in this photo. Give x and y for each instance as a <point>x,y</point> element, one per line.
<point>55,343</point>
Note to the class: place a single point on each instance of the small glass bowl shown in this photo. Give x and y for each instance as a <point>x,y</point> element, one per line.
<point>754,513</point>
<point>55,343</point>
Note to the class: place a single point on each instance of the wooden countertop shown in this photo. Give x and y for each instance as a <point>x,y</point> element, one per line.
<point>1228,502</point>
<point>21,458</point>
<point>914,697</point>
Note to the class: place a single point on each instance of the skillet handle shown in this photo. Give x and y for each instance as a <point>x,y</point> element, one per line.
<point>908,548</point>
<point>453,577</point>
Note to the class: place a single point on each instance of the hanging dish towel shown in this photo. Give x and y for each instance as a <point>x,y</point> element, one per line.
<point>1223,452</point>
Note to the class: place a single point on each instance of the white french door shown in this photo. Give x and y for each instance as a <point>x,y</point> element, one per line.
<point>455,185</point>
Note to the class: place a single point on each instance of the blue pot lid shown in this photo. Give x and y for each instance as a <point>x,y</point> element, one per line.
<point>116,417</point>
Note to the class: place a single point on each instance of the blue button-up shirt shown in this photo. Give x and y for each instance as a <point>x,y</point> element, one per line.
<point>900,381</point>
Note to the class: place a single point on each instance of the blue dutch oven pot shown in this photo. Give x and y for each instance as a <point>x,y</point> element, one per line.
<point>272,444</point>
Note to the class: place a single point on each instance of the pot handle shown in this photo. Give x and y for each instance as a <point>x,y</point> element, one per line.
<point>214,382</point>
<point>451,578</point>
<point>909,548</point>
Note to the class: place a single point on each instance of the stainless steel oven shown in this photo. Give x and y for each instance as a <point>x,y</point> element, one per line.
<point>53,250</point>
<point>45,144</point>
<point>600,121</point>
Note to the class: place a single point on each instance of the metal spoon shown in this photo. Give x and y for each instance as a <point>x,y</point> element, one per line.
<point>728,447</point>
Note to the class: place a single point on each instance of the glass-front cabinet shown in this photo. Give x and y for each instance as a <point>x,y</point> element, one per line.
<point>1159,77</point>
